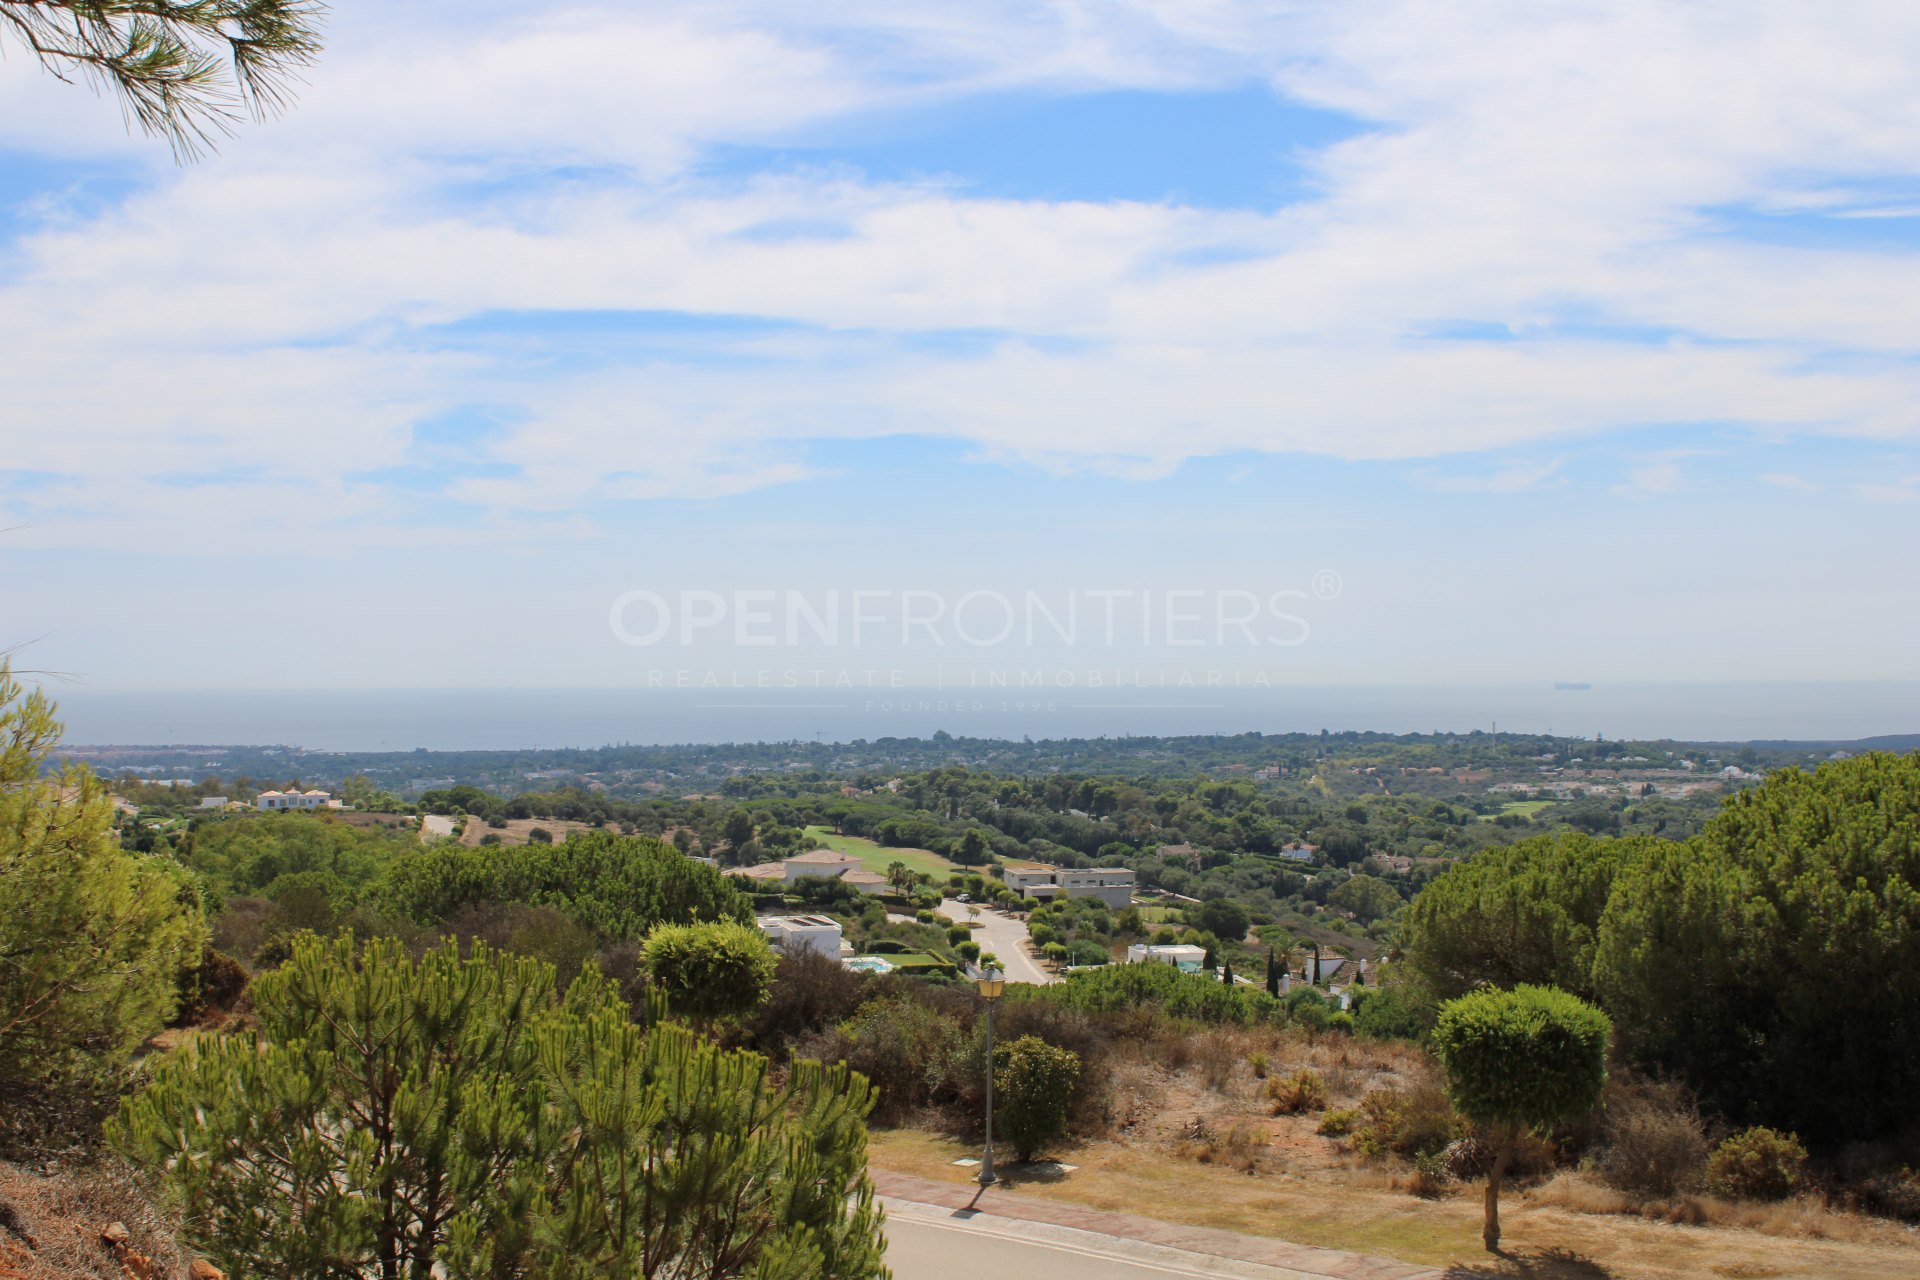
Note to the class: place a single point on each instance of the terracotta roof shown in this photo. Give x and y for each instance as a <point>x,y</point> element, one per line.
<point>765,871</point>
<point>862,877</point>
<point>822,858</point>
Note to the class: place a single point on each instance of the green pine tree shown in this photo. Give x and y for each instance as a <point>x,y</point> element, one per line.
<point>391,1119</point>
<point>93,939</point>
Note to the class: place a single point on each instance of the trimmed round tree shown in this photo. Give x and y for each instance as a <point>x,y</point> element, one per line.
<point>1517,1061</point>
<point>709,971</point>
<point>1034,1081</point>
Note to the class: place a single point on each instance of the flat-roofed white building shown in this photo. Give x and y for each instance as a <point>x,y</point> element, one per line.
<point>292,800</point>
<point>803,933</point>
<point>1112,885</point>
<point>1183,956</point>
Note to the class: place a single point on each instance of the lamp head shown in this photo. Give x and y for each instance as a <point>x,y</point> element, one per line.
<point>991,985</point>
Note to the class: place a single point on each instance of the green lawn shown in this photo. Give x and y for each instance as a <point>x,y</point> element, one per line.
<point>1526,808</point>
<point>877,858</point>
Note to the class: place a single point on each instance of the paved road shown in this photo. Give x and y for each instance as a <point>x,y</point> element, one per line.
<point>926,1242</point>
<point>1006,937</point>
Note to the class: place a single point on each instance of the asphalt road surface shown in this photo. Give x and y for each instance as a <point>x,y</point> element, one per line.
<point>925,1242</point>
<point>1005,936</point>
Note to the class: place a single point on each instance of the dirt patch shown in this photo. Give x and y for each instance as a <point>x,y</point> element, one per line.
<point>516,830</point>
<point>51,1223</point>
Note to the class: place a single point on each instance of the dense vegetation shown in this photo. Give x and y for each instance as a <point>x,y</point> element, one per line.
<point>94,940</point>
<point>1756,957</point>
<point>1773,961</point>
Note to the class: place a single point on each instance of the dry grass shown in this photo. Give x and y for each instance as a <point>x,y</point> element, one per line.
<point>1212,1156</point>
<point>515,832</point>
<point>50,1223</point>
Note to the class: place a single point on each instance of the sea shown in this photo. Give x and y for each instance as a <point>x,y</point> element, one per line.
<point>506,719</point>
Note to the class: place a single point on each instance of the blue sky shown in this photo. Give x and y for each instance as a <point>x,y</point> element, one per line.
<point>1577,344</point>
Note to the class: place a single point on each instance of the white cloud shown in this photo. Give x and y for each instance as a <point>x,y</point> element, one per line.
<point>1551,172</point>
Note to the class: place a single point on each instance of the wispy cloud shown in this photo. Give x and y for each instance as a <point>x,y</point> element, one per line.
<point>1513,477</point>
<point>282,312</point>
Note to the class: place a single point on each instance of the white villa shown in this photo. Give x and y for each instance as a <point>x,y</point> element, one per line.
<point>1183,956</point>
<point>824,863</point>
<point>803,933</point>
<point>293,800</point>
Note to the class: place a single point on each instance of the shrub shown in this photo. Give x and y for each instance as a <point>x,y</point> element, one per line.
<point>1258,1064</point>
<point>1090,1039</point>
<point>957,934</point>
<point>1409,1122</point>
<point>217,982</point>
<point>968,950</point>
<point>1894,1193</point>
<point>709,971</point>
<point>1656,1145</point>
<point>539,835</point>
<point>1758,1164</point>
<point>1304,1090</point>
<point>1239,1147</point>
<point>810,993</point>
<point>897,1043</point>
<point>1085,951</point>
<point>1430,1174</point>
<point>1339,1122</point>
<point>1392,1013</point>
<point>1033,1082</point>
<point>1163,989</point>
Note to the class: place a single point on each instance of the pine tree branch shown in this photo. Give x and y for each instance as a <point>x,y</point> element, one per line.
<point>187,71</point>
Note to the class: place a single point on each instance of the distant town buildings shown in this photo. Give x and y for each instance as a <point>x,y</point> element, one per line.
<point>213,802</point>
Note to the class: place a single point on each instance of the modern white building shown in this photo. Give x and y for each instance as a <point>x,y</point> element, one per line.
<point>803,933</point>
<point>292,800</point>
<point>1112,885</point>
<point>1183,956</point>
<point>213,802</point>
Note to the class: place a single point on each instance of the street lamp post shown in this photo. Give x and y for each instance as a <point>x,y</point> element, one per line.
<point>991,987</point>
